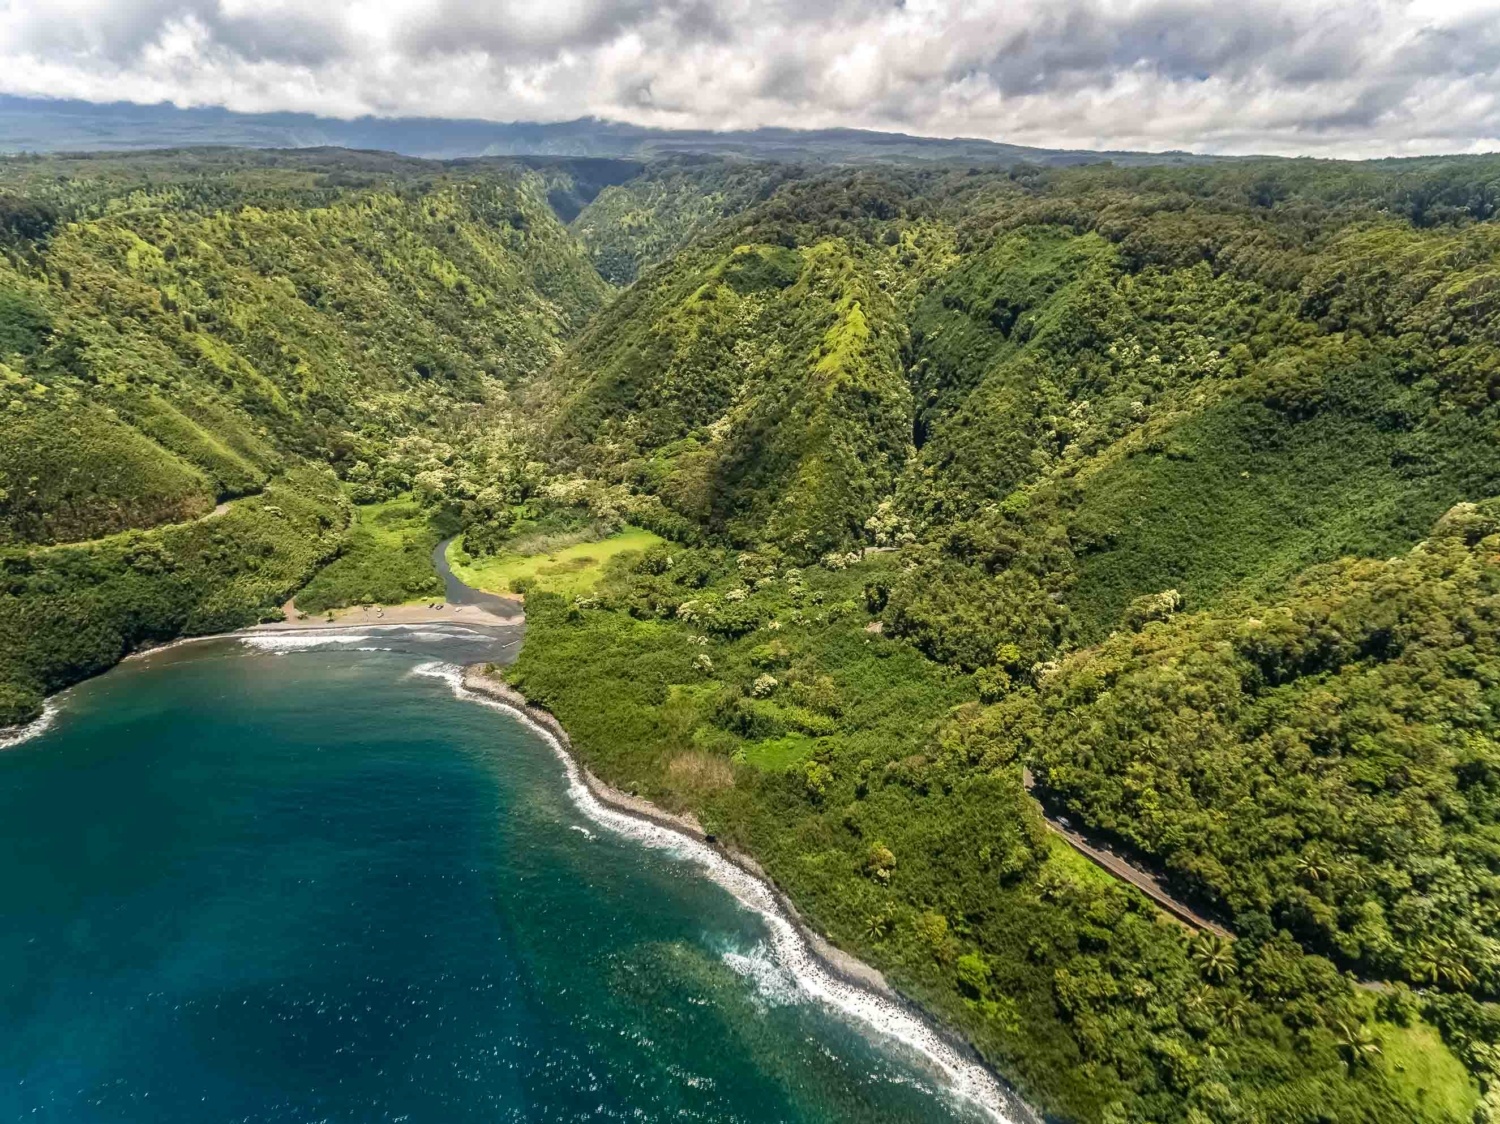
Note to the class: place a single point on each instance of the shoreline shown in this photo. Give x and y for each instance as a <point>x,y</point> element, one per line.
<point>477,620</point>
<point>948,1051</point>
<point>820,969</point>
<point>368,616</point>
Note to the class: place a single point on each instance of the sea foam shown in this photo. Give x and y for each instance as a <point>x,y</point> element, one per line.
<point>15,735</point>
<point>798,965</point>
<point>359,637</point>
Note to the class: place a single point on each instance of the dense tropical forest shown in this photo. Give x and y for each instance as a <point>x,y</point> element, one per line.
<point>1174,490</point>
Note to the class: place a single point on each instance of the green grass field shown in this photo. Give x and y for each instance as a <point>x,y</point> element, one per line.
<point>1416,1057</point>
<point>774,754</point>
<point>572,571</point>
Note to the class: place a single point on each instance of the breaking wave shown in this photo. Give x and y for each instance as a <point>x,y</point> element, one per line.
<point>785,966</point>
<point>15,735</point>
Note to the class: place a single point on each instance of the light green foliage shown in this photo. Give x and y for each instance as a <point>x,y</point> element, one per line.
<point>756,390</point>
<point>70,469</point>
<point>1415,1056</point>
<point>387,559</point>
<point>571,571</point>
<point>231,326</point>
<point>179,329</point>
<point>778,753</point>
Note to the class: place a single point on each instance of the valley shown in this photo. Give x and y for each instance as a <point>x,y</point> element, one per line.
<point>844,501</point>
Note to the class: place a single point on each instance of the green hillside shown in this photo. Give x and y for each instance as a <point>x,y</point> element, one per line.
<point>177,330</point>
<point>1111,425</point>
<point>629,226</point>
<point>755,388</point>
<point>843,496</point>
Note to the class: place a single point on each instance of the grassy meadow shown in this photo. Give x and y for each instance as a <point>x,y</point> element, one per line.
<point>570,571</point>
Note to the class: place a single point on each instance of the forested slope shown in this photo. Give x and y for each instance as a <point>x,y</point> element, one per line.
<point>181,343</point>
<point>180,329</point>
<point>631,225</point>
<point>1183,483</point>
<point>1188,477</point>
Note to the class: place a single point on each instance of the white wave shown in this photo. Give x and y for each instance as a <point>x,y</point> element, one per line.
<point>301,641</point>
<point>15,735</point>
<point>453,632</point>
<point>583,831</point>
<point>775,986</point>
<point>449,673</point>
<point>310,639</point>
<point>787,947</point>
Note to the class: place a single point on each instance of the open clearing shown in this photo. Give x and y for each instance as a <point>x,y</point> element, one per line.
<point>572,571</point>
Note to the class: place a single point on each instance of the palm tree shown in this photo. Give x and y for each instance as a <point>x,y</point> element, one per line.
<point>1424,963</point>
<point>1356,1043</point>
<point>877,925</point>
<point>1214,956</point>
<point>1313,868</point>
<point>1438,960</point>
<point>1233,1010</point>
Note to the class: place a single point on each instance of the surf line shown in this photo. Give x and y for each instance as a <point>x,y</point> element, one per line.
<point>15,735</point>
<point>821,972</point>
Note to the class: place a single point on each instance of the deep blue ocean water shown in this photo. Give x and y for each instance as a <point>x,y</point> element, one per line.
<point>238,885</point>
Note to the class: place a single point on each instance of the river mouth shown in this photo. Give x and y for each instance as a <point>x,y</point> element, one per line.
<point>460,593</point>
<point>289,882</point>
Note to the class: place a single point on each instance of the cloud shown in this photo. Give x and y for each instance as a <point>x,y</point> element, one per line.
<point>1319,77</point>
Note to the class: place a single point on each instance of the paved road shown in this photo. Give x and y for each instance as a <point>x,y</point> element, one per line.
<point>1143,880</point>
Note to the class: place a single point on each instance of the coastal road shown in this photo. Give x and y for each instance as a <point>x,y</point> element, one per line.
<point>1143,880</point>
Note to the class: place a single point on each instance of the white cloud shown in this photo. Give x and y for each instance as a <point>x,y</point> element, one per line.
<point>1352,78</point>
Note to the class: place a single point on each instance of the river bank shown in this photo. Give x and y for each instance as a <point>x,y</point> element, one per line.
<point>825,972</point>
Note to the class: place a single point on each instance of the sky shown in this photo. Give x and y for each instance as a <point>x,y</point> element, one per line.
<point>1353,78</point>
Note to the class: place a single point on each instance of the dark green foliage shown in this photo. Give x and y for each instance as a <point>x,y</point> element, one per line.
<point>25,327</point>
<point>1326,758</point>
<point>67,612</point>
<point>1133,395</point>
<point>629,226</point>
<point>899,826</point>
<point>387,559</point>
<point>24,220</point>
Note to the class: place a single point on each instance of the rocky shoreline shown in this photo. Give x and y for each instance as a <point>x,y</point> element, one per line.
<point>852,977</point>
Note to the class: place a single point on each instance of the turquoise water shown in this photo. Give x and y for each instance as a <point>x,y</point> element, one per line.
<point>316,886</point>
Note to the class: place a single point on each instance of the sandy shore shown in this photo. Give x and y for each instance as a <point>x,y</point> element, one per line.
<point>435,612</point>
<point>850,984</point>
<point>355,617</point>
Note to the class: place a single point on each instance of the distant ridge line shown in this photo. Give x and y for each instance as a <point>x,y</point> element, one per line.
<point>46,125</point>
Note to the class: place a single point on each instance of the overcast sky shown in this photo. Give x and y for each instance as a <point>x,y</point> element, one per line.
<point>1351,78</point>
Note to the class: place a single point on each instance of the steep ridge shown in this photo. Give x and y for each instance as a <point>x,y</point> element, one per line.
<point>753,387</point>
<point>176,329</point>
<point>1178,484</point>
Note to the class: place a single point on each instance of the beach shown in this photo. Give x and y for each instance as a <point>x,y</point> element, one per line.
<point>824,972</point>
